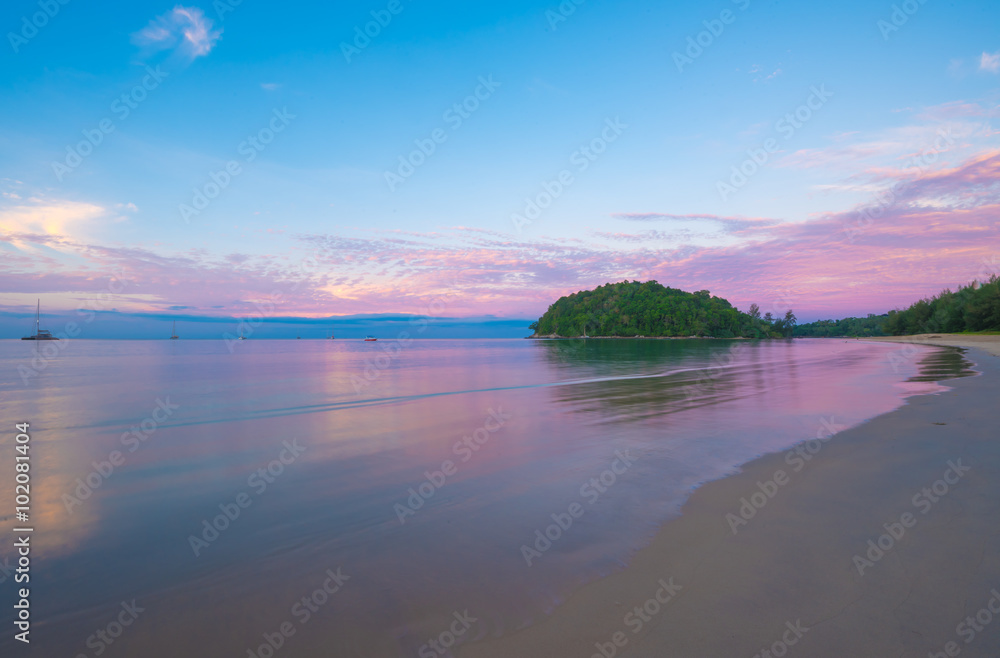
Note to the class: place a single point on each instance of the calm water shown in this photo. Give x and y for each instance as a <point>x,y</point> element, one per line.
<point>368,422</point>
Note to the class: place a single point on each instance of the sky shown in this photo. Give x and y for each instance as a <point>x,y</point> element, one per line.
<point>216,160</point>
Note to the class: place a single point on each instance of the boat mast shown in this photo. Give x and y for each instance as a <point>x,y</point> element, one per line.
<point>37,311</point>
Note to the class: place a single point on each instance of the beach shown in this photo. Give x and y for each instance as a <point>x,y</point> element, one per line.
<point>880,541</point>
<point>983,342</point>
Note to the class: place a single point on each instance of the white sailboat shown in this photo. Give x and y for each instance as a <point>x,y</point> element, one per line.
<point>173,332</point>
<point>40,334</point>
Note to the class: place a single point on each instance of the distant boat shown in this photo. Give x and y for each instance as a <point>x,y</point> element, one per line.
<point>40,334</point>
<point>370,339</point>
<point>331,334</point>
<point>173,333</point>
<point>242,337</point>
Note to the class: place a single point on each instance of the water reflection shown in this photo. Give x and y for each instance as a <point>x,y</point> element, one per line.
<point>943,364</point>
<point>687,411</point>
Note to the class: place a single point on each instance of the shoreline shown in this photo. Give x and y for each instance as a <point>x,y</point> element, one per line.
<point>558,337</point>
<point>985,342</point>
<point>794,563</point>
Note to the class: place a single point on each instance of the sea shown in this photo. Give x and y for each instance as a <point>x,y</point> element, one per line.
<point>327,498</point>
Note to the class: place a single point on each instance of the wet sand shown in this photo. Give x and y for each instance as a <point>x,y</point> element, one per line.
<point>800,578</point>
<point>989,344</point>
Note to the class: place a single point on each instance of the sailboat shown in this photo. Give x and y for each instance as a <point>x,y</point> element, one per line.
<point>242,337</point>
<point>173,332</point>
<point>40,334</point>
<point>370,339</point>
<point>331,334</point>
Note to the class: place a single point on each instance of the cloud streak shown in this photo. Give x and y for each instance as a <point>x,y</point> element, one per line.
<point>183,30</point>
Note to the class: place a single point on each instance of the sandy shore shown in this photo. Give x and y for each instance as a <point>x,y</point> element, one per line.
<point>989,344</point>
<point>800,578</point>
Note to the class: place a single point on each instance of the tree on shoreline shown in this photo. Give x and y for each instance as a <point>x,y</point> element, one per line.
<point>631,308</point>
<point>974,307</point>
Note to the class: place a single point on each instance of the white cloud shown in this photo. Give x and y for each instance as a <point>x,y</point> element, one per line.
<point>185,30</point>
<point>759,73</point>
<point>270,86</point>
<point>54,217</point>
<point>990,62</point>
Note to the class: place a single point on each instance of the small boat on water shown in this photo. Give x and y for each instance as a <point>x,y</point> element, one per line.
<point>40,334</point>
<point>173,332</point>
<point>370,339</point>
<point>331,334</point>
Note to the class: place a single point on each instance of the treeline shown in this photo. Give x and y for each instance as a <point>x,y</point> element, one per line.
<point>632,308</point>
<point>975,307</point>
<point>873,325</point>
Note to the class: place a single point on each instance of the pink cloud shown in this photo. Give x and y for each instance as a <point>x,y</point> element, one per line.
<point>934,231</point>
<point>184,30</point>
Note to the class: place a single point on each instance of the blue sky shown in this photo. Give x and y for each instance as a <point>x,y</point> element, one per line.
<point>649,206</point>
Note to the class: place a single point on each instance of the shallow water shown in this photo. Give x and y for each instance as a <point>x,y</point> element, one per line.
<point>370,423</point>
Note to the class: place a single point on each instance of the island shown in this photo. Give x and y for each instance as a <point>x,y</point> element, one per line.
<point>631,309</point>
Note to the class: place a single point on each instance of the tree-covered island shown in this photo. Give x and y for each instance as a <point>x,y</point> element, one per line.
<point>632,309</point>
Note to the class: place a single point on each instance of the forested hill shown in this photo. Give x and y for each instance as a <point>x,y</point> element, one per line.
<point>975,307</point>
<point>649,309</point>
